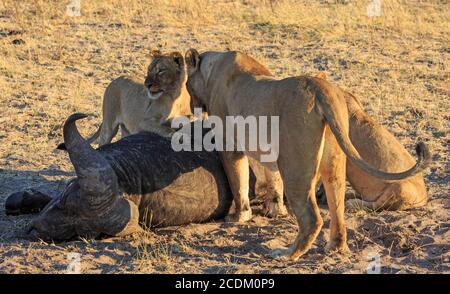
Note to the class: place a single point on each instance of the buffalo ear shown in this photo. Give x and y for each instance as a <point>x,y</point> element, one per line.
<point>178,59</point>
<point>192,60</point>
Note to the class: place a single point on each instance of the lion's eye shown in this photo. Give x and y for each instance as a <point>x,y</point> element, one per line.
<point>161,72</point>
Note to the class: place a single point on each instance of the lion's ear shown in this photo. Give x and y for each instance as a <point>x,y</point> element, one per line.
<point>178,58</point>
<point>192,59</point>
<point>155,52</point>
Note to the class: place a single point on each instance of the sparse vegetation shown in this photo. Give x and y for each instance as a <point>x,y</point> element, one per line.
<point>52,65</point>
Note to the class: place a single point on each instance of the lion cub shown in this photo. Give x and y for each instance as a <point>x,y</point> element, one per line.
<point>137,107</point>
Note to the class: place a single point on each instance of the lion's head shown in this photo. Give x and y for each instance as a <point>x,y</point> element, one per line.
<point>166,74</point>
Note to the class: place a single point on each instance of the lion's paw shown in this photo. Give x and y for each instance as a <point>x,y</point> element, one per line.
<point>274,209</point>
<point>241,217</point>
<point>354,205</point>
<point>342,248</point>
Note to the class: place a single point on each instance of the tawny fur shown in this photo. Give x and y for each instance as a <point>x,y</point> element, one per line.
<point>376,145</point>
<point>132,106</point>
<point>312,112</point>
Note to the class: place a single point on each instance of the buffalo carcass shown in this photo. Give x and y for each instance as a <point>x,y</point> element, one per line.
<point>139,179</point>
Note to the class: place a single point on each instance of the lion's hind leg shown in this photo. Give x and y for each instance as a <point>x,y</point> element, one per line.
<point>332,171</point>
<point>389,199</point>
<point>360,204</point>
<point>107,133</point>
<point>300,190</point>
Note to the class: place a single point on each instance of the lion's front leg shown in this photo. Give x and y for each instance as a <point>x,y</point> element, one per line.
<point>273,202</point>
<point>269,186</point>
<point>237,170</point>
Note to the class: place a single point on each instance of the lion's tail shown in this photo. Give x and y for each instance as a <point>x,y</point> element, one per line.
<point>327,99</point>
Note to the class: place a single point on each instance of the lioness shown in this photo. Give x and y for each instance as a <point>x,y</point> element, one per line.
<point>385,152</point>
<point>150,106</point>
<point>381,149</point>
<point>311,111</point>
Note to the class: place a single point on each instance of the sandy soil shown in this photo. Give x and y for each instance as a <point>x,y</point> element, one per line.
<point>52,65</point>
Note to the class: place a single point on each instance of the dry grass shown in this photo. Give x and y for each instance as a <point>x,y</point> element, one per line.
<point>52,65</point>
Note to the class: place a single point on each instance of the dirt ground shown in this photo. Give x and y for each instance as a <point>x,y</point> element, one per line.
<point>52,64</point>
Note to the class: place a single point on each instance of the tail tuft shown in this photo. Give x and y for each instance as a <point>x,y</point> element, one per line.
<point>423,153</point>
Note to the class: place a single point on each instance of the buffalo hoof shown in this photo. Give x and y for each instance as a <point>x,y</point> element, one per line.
<point>26,202</point>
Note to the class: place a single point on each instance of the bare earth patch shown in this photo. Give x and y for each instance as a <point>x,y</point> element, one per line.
<point>52,65</point>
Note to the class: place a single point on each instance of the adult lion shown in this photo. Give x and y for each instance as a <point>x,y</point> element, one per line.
<point>311,111</point>
<point>376,145</point>
<point>383,151</point>
<point>150,106</point>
